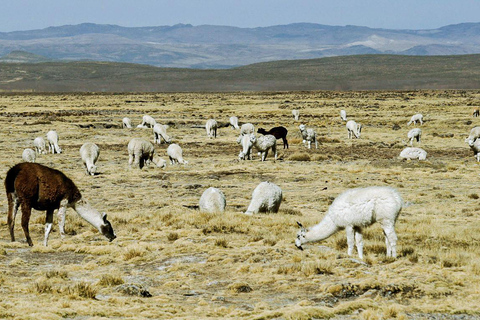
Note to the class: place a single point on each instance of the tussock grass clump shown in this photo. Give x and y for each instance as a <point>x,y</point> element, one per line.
<point>240,287</point>
<point>133,252</point>
<point>172,236</point>
<point>473,196</point>
<point>110,280</point>
<point>82,290</point>
<point>299,156</point>
<point>43,285</point>
<point>221,242</point>
<point>56,274</point>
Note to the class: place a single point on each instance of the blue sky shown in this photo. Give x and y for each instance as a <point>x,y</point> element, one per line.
<point>390,14</point>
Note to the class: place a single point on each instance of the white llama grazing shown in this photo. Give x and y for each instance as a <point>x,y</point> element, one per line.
<point>28,155</point>
<point>159,133</point>
<point>476,149</point>
<point>309,135</point>
<point>416,117</point>
<point>211,127</point>
<point>89,153</point>
<point>296,114</point>
<point>126,123</point>
<point>263,144</point>
<point>39,145</point>
<point>411,153</point>
<point>175,153</point>
<point>141,152</point>
<point>353,210</point>
<point>52,138</point>
<point>147,121</point>
<point>473,136</point>
<point>343,115</point>
<point>414,134</point>
<point>234,122</point>
<point>246,148</point>
<point>212,200</point>
<point>266,197</point>
<point>354,129</point>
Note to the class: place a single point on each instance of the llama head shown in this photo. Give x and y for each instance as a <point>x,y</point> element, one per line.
<point>92,169</point>
<point>302,127</point>
<point>300,236</point>
<point>261,130</point>
<point>106,229</point>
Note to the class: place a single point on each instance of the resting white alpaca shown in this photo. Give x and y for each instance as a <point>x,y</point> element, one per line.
<point>28,155</point>
<point>246,147</point>
<point>39,145</point>
<point>175,153</point>
<point>211,127</point>
<point>266,197</point>
<point>212,200</point>
<point>147,121</point>
<point>354,129</point>
<point>296,114</point>
<point>141,152</point>
<point>476,149</point>
<point>309,135</point>
<point>411,153</point>
<point>414,134</point>
<point>89,153</point>
<point>416,117</point>
<point>474,134</point>
<point>159,133</point>
<point>52,138</point>
<point>263,144</point>
<point>353,210</point>
<point>234,122</point>
<point>343,115</point>
<point>126,123</point>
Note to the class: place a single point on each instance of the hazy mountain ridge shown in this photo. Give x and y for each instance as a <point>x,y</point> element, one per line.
<point>208,46</point>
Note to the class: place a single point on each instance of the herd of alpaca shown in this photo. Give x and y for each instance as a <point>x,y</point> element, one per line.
<point>30,185</point>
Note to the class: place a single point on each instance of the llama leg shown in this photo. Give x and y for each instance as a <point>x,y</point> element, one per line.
<point>13,205</point>
<point>61,218</point>
<point>26,212</point>
<point>350,239</point>
<point>48,226</point>
<point>359,242</point>
<point>275,151</point>
<point>390,241</point>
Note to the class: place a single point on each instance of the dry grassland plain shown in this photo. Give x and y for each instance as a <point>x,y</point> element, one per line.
<point>230,265</point>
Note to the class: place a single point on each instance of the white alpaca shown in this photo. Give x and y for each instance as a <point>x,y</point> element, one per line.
<point>343,115</point>
<point>52,138</point>
<point>126,123</point>
<point>234,122</point>
<point>473,136</point>
<point>263,144</point>
<point>141,152</point>
<point>211,127</point>
<point>39,145</point>
<point>212,200</point>
<point>354,129</point>
<point>411,153</point>
<point>147,121</point>
<point>89,153</point>
<point>159,133</point>
<point>309,135</point>
<point>353,210</point>
<point>266,197</point>
<point>296,114</point>
<point>175,153</point>
<point>247,128</point>
<point>416,117</point>
<point>476,149</point>
<point>28,155</point>
<point>414,134</point>
<point>246,148</point>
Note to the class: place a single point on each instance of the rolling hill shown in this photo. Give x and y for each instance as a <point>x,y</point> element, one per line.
<point>359,72</point>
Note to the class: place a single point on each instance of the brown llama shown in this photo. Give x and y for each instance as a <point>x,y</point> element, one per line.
<point>35,186</point>
<point>278,133</point>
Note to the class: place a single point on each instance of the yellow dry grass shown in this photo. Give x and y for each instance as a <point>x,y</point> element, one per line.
<point>202,265</point>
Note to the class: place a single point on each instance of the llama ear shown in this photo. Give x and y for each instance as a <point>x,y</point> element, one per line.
<point>104,217</point>
<point>300,225</point>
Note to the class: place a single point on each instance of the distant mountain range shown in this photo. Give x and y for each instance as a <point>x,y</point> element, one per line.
<point>215,47</point>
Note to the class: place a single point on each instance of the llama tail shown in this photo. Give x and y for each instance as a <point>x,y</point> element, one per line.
<point>10,179</point>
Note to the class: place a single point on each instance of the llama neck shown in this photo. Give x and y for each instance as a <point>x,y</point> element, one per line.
<point>321,231</point>
<point>90,214</point>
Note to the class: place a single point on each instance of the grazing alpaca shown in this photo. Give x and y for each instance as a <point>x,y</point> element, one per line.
<point>353,210</point>
<point>278,133</point>
<point>34,186</point>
